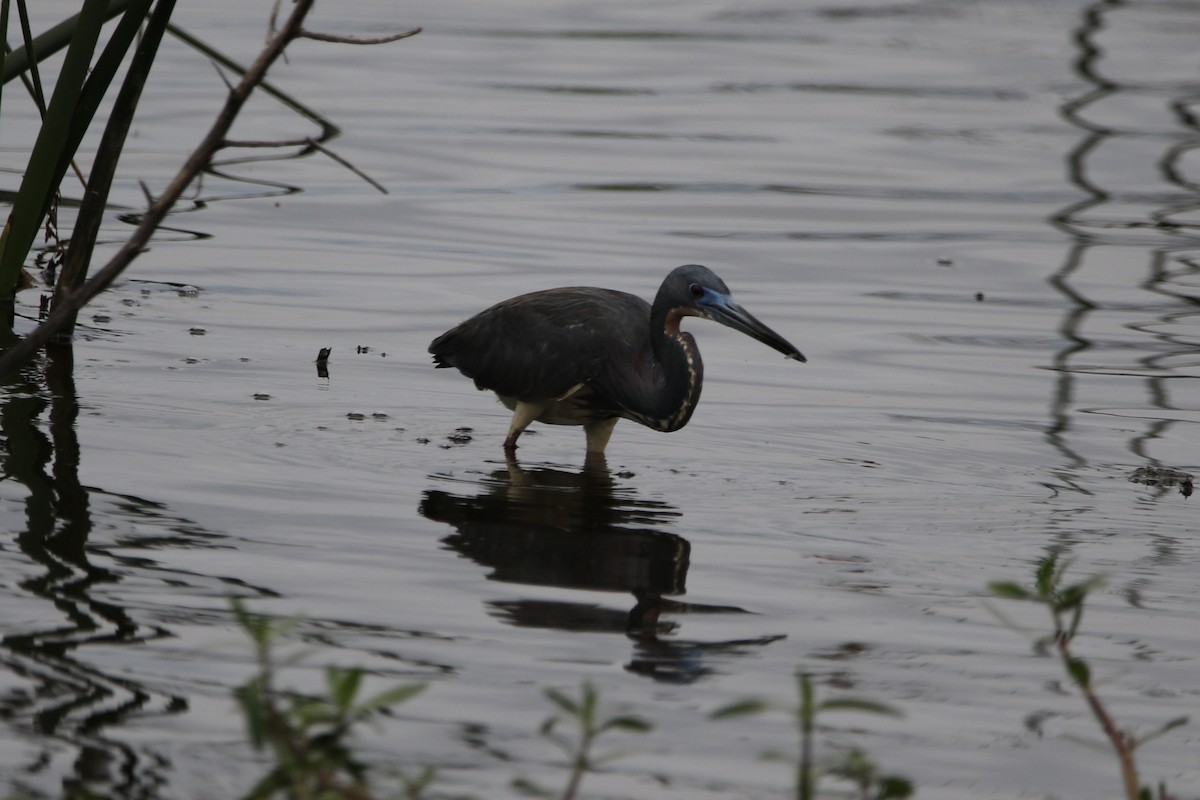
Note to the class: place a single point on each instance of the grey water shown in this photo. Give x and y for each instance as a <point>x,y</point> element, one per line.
<point>979,222</point>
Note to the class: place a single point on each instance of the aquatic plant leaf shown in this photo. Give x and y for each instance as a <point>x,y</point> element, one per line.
<point>740,708</point>
<point>250,698</point>
<point>858,704</point>
<point>1071,598</point>
<point>1079,671</point>
<point>1006,620</point>
<point>562,701</point>
<point>894,786</point>
<point>528,788</point>
<point>1167,726</point>
<point>343,685</point>
<point>392,697</point>
<point>587,708</point>
<point>1010,590</point>
<point>1046,576</point>
<point>627,722</point>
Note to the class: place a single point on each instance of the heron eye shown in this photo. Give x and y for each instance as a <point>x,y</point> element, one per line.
<point>697,290</point>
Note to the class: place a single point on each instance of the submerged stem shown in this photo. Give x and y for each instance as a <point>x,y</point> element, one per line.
<point>1122,744</point>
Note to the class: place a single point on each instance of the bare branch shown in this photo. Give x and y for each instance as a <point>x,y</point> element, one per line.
<point>304,142</point>
<point>308,141</point>
<point>317,145</point>
<point>329,37</point>
<point>222,76</point>
<point>69,305</point>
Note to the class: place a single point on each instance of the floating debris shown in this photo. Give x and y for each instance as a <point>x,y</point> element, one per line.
<point>1165,477</point>
<point>323,362</point>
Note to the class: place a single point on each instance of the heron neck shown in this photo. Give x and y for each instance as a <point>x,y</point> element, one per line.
<point>682,371</point>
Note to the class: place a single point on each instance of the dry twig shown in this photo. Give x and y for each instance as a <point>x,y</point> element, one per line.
<point>69,305</point>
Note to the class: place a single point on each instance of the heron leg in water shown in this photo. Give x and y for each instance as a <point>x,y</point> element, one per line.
<point>523,414</point>
<point>598,433</point>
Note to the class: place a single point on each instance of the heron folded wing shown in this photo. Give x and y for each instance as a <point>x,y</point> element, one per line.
<point>539,346</point>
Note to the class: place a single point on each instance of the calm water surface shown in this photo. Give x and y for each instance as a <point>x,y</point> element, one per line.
<point>978,221</point>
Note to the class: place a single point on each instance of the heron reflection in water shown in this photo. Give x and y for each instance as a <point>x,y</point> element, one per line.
<point>549,527</point>
<point>588,356</point>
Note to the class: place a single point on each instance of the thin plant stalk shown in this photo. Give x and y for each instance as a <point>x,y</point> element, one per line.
<point>95,200</point>
<point>43,172</point>
<point>807,715</point>
<point>580,752</point>
<point>1123,745</point>
<point>47,43</point>
<point>1066,606</point>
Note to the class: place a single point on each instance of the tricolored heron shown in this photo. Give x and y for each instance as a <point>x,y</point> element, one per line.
<point>587,356</point>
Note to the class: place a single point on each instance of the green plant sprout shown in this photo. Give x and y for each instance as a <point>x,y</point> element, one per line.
<point>1066,603</point>
<point>591,723</point>
<point>854,766</point>
<point>308,734</point>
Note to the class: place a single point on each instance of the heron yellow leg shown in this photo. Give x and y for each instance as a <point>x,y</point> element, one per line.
<point>598,433</point>
<point>523,414</point>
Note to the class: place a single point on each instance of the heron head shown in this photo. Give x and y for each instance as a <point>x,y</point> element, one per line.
<point>694,290</point>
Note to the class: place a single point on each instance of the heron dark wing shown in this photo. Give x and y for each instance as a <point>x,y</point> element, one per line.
<point>541,345</point>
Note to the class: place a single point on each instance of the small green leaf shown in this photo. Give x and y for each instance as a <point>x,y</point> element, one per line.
<point>1010,590</point>
<point>256,626</point>
<point>562,701</point>
<point>1071,598</point>
<point>343,685</point>
<point>1073,625</point>
<point>1170,725</point>
<point>627,722</point>
<point>740,708</point>
<point>1046,576</point>
<point>894,787</point>
<point>804,688</point>
<point>613,755</point>
<point>1005,620</point>
<point>415,786</point>
<point>1079,671</point>
<point>587,709</point>
<point>528,788</point>
<point>249,697</point>
<point>393,697</point>
<point>858,704</point>
<point>1095,745</point>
